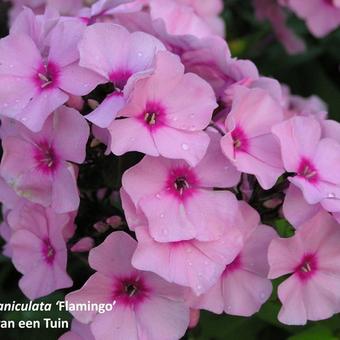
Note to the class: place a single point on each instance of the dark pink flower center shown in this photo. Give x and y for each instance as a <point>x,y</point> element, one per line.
<point>307,267</point>
<point>47,76</point>
<point>240,139</point>
<point>120,78</point>
<point>48,251</point>
<point>182,182</point>
<point>153,116</point>
<point>334,3</point>
<point>231,267</point>
<point>130,290</point>
<point>307,170</point>
<point>46,157</point>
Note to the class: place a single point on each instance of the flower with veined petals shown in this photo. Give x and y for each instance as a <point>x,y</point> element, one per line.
<point>98,52</point>
<point>145,306</point>
<point>249,143</point>
<point>312,258</point>
<point>36,84</point>
<point>39,251</point>
<point>36,166</point>
<point>243,286</point>
<point>165,113</point>
<point>179,201</point>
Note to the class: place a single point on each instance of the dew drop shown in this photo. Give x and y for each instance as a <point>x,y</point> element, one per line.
<point>262,296</point>
<point>140,54</point>
<point>190,263</point>
<point>185,146</point>
<point>331,195</point>
<point>161,215</point>
<point>199,288</point>
<point>158,196</point>
<point>228,309</point>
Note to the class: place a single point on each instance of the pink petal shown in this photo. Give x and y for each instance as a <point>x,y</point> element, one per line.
<point>131,135</point>
<point>70,146</point>
<point>65,196</point>
<point>107,111</point>
<point>162,316</point>
<point>117,263</point>
<point>177,144</point>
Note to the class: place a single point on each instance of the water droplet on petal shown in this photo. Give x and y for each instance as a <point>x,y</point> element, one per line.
<point>161,215</point>
<point>140,54</point>
<point>190,263</point>
<point>331,195</point>
<point>185,146</point>
<point>228,309</point>
<point>189,250</point>
<point>158,196</point>
<point>199,288</point>
<point>262,296</point>
<point>165,231</point>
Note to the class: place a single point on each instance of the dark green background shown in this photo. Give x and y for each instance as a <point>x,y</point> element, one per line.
<point>314,72</point>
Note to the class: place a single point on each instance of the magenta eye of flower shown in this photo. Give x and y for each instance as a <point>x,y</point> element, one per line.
<point>181,184</point>
<point>150,118</point>
<point>335,3</point>
<point>239,139</point>
<point>307,170</point>
<point>46,157</point>
<point>47,75</point>
<point>119,78</point>
<point>48,251</point>
<point>307,267</point>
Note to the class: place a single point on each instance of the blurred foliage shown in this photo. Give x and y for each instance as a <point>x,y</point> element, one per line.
<point>315,71</point>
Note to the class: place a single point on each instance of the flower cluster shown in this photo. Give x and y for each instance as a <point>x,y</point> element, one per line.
<point>220,153</point>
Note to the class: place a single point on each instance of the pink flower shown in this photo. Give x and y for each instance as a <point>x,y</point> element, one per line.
<point>98,52</point>
<point>145,306</point>
<point>211,59</point>
<point>39,251</point>
<point>312,257</point>
<point>249,143</point>
<point>37,84</point>
<point>312,159</point>
<point>243,286</point>
<point>79,331</point>
<point>35,165</point>
<point>178,200</point>
<point>165,114</point>
<point>181,18</point>
<point>190,263</point>
<point>272,11</point>
<point>322,16</point>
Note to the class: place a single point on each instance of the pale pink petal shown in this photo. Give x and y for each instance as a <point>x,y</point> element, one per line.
<point>71,146</point>
<point>131,135</point>
<point>162,316</point>
<point>180,144</point>
<point>117,262</point>
<point>107,111</point>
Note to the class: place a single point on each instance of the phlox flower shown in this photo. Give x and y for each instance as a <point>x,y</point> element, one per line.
<point>249,143</point>
<point>79,331</point>
<point>312,160</point>
<point>146,306</point>
<point>191,263</point>
<point>178,201</point>
<point>243,286</point>
<point>39,250</point>
<point>311,257</point>
<point>37,84</point>
<point>115,54</point>
<point>165,113</point>
<point>321,16</point>
<point>36,165</point>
